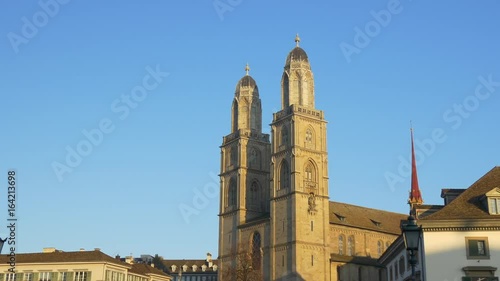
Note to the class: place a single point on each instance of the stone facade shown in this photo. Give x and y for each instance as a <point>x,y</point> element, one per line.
<point>274,205</point>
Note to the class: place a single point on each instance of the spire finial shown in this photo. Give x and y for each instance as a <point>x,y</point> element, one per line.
<point>247,68</point>
<point>297,39</point>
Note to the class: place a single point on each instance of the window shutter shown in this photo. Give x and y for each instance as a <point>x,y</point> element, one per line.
<point>89,276</point>
<point>53,276</point>
<point>19,277</point>
<point>36,276</point>
<point>473,249</point>
<point>69,276</point>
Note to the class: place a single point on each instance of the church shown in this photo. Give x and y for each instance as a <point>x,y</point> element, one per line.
<point>276,220</point>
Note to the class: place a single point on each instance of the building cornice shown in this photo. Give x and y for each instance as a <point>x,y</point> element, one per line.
<point>460,225</point>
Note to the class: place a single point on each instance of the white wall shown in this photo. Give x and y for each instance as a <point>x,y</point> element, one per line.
<point>445,254</point>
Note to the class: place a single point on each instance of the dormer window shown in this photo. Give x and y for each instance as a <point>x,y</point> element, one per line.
<point>174,268</point>
<point>494,205</point>
<point>377,223</point>
<point>340,217</point>
<point>214,267</point>
<point>203,268</point>
<point>492,199</point>
<point>195,267</point>
<point>184,268</point>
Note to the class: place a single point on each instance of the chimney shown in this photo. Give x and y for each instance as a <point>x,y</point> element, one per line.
<point>49,250</point>
<point>97,249</point>
<point>129,259</point>
<point>117,257</point>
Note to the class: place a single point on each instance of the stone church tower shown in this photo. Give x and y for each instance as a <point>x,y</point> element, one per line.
<point>299,182</point>
<point>276,221</point>
<point>245,155</point>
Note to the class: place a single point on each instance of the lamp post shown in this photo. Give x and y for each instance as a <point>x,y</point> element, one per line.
<point>411,235</point>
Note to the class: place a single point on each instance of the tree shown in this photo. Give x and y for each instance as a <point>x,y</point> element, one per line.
<point>158,262</point>
<point>244,265</point>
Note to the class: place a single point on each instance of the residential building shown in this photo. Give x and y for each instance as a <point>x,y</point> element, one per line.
<point>192,270</point>
<point>460,241</point>
<point>56,265</point>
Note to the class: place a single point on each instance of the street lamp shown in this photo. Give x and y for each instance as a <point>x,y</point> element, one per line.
<point>411,235</point>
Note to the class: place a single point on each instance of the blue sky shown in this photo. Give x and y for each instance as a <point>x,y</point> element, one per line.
<point>68,67</point>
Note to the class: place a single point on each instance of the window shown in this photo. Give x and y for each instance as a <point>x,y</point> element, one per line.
<point>256,250</point>
<point>231,193</point>
<point>233,155</point>
<point>309,136</point>
<point>477,247</point>
<point>254,194</point>
<point>401,266</point>
<point>44,276</point>
<point>350,246</point>
<point>10,277</point>
<point>341,244</point>
<point>494,205</point>
<point>284,176</point>
<point>82,276</point>
<point>63,276</point>
<point>254,158</point>
<point>312,260</point>
<point>312,225</point>
<point>310,173</point>
<point>28,276</point>
<point>380,247</point>
<point>284,135</point>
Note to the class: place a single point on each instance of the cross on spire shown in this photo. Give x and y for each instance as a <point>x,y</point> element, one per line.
<point>297,39</point>
<point>247,69</point>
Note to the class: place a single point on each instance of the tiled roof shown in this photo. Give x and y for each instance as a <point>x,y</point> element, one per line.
<point>365,218</point>
<point>59,256</point>
<point>355,260</point>
<point>142,268</point>
<point>468,204</point>
<point>454,191</point>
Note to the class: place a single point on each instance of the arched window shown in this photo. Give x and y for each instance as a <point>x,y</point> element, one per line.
<point>234,155</point>
<point>309,136</point>
<point>284,176</point>
<point>380,247</point>
<point>341,245</point>
<point>254,194</point>
<point>254,158</point>
<point>231,193</point>
<point>256,251</point>
<point>253,117</point>
<point>284,135</point>
<point>310,174</point>
<point>350,246</point>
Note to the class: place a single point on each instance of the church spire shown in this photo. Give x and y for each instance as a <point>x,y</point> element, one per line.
<point>415,195</point>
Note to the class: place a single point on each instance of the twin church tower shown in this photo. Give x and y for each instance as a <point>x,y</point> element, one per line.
<point>274,204</point>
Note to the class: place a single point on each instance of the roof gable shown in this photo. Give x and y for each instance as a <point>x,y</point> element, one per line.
<point>469,204</point>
